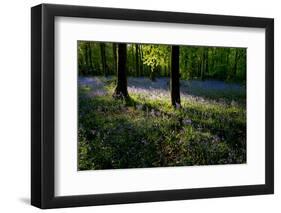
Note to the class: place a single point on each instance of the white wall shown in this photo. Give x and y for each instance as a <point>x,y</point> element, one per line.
<point>15,105</point>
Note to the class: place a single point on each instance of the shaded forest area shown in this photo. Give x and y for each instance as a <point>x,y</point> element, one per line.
<point>144,105</point>
<point>227,64</point>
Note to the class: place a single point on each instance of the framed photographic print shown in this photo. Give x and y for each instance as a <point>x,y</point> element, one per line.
<point>139,106</point>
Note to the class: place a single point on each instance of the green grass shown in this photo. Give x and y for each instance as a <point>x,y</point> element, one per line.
<point>142,132</point>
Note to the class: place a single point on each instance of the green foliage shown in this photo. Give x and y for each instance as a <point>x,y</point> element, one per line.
<point>221,63</point>
<point>156,56</point>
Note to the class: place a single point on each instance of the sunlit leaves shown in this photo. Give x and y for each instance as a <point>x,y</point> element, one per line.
<point>155,55</point>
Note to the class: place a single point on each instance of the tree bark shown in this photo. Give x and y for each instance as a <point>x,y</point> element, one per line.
<point>175,77</point>
<point>103,58</point>
<point>114,49</point>
<point>121,88</point>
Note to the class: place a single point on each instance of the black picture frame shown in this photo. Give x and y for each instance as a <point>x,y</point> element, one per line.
<point>43,102</point>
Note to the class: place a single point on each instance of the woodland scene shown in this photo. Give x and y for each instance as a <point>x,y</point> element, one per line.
<point>157,105</point>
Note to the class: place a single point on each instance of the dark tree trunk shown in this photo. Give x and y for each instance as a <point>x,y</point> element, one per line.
<point>168,71</point>
<point>235,63</point>
<point>121,88</point>
<point>207,62</point>
<point>86,58</point>
<point>90,56</point>
<point>213,61</point>
<point>152,74</point>
<point>204,66</point>
<point>175,77</point>
<point>114,49</point>
<point>103,58</point>
<point>199,70</point>
<point>137,60</point>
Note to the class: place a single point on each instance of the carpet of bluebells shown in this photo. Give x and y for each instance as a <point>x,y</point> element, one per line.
<point>145,131</point>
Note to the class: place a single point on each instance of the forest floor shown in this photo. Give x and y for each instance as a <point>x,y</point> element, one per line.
<point>208,90</point>
<point>209,128</point>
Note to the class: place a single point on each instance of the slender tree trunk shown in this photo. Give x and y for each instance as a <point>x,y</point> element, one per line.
<point>141,63</point>
<point>152,74</point>
<point>235,64</point>
<point>207,61</point>
<point>90,57</point>
<point>202,64</point>
<point>86,58</point>
<point>198,70</point>
<point>228,67</point>
<point>103,58</point>
<point>215,60</point>
<point>175,77</point>
<point>121,88</point>
<point>137,60</point>
<point>114,49</point>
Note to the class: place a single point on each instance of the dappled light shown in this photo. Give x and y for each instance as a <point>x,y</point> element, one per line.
<point>134,114</point>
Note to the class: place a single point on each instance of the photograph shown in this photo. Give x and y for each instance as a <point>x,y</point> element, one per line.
<point>158,105</point>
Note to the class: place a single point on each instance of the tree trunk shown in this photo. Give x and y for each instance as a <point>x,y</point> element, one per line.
<point>152,74</point>
<point>175,77</point>
<point>121,88</point>
<point>85,51</point>
<point>114,49</point>
<point>204,66</point>
<point>90,57</point>
<point>207,62</point>
<point>137,60</point>
<point>141,63</point>
<point>103,58</point>
<point>235,63</point>
<point>86,58</point>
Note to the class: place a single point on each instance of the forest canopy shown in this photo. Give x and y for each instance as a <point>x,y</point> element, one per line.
<point>152,60</point>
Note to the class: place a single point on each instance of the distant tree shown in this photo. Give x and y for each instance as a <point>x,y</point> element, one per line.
<point>86,47</point>
<point>204,62</point>
<point>141,56</point>
<point>89,63</point>
<point>236,58</point>
<point>114,51</point>
<point>121,88</point>
<point>137,60</point>
<point>103,58</point>
<point>207,61</point>
<point>175,77</point>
